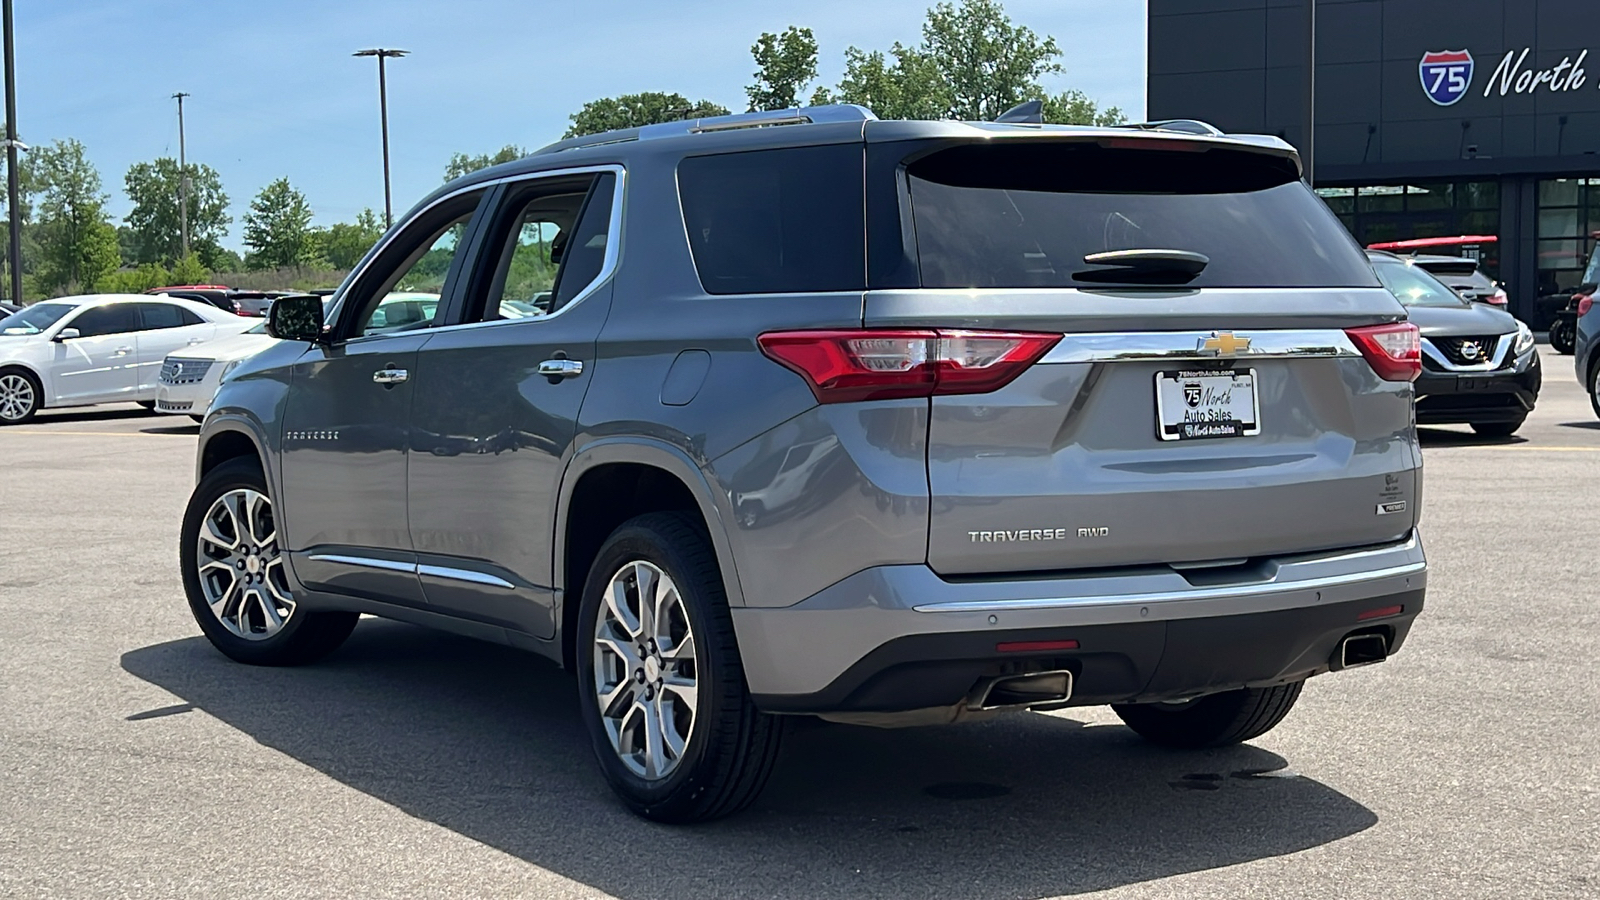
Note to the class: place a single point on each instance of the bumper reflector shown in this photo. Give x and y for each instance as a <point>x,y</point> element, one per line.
<point>1034,646</point>
<point>1381,613</point>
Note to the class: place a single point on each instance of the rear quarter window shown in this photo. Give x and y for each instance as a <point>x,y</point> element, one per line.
<point>776,221</point>
<point>1024,215</point>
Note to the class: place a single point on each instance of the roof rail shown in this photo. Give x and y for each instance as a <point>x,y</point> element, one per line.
<point>1184,126</point>
<point>838,112</point>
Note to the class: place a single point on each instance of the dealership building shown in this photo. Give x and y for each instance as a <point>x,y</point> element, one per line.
<point>1433,117</point>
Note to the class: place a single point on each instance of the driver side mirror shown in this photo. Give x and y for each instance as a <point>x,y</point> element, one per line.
<point>67,334</point>
<point>297,317</point>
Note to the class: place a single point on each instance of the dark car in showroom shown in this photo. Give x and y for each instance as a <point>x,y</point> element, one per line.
<point>1479,364</point>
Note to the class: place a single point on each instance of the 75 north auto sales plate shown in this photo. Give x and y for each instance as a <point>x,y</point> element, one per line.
<point>1194,404</point>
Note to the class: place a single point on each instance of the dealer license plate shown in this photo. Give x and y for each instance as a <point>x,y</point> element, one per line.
<point>1195,404</point>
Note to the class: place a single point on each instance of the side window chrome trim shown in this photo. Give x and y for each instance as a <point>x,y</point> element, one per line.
<point>608,265</point>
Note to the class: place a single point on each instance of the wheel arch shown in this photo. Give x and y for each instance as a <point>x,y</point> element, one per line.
<point>31,372</point>
<point>611,481</point>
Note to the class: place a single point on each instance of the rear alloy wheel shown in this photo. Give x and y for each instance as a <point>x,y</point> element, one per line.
<point>1215,720</point>
<point>233,574</point>
<point>20,395</point>
<point>1563,336</point>
<point>1498,429</point>
<point>661,684</point>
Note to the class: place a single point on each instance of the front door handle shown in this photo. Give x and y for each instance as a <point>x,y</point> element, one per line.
<point>557,369</point>
<point>124,351</point>
<point>390,376</point>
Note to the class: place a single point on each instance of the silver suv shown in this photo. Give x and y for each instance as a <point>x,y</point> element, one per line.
<point>809,413</point>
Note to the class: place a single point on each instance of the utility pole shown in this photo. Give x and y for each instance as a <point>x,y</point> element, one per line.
<point>12,146</point>
<point>382,54</point>
<point>183,178</point>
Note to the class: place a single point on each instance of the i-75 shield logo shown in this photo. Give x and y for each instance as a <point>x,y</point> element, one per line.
<point>1446,75</point>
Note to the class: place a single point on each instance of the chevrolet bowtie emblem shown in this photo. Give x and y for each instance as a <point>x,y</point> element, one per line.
<point>1224,343</point>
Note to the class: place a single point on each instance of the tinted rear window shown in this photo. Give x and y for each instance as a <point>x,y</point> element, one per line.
<point>1026,214</point>
<point>776,221</point>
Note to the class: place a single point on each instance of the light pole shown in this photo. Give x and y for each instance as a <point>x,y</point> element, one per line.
<point>183,179</point>
<point>12,146</point>
<point>382,54</point>
<point>1309,152</point>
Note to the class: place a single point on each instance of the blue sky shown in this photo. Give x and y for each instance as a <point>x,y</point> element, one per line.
<point>276,92</point>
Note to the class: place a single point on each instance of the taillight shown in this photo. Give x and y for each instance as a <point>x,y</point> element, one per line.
<point>1394,351</point>
<point>1499,298</point>
<point>842,366</point>
<point>1585,301</point>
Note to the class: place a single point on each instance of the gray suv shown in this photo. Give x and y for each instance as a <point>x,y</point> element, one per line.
<point>806,413</point>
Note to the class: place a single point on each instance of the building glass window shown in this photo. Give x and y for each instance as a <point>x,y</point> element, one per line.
<point>1569,221</point>
<point>1399,212</point>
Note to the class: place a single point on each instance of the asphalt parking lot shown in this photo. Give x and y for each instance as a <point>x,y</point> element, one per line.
<point>137,762</point>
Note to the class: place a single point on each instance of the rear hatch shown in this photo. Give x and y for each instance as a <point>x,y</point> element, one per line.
<point>1214,399</point>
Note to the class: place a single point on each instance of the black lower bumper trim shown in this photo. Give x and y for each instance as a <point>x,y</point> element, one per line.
<point>1135,662</point>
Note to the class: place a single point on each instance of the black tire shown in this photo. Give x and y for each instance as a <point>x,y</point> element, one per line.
<point>1563,336</point>
<point>731,745</point>
<point>35,393</point>
<point>1217,720</point>
<point>1594,384</point>
<point>1497,429</point>
<point>304,637</point>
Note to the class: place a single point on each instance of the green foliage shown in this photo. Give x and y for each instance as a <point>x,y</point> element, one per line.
<point>461,164</point>
<point>154,188</point>
<point>221,259</point>
<point>277,229</point>
<point>285,278</point>
<point>973,64</point>
<point>77,243</point>
<point>634,110</point>
<point>189,270</point>
<point>138,280</point>
<point>785,64</point>
<point>342,245</point>
<point>1075,108</point>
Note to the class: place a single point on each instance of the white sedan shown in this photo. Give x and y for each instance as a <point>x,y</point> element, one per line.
<point>190,378</point>
<point>103,348</point>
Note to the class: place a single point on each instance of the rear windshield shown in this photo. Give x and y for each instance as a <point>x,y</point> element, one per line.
<point>776,221</point>
<point>1414,285</point>
<point>1026,214</point>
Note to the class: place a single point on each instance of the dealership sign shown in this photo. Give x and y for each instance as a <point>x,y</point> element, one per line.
<point>1446,75</point>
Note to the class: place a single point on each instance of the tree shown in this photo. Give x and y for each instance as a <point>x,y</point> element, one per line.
<point>461,164</point>
<point>277,229</point>
<point>343,244</point>
<point>77,242</point>
<point>973,63</point>
<point>1075,108</point>
<point>154,187</point>
<point>908,88</point>
<point>635,110</point>
<point>785,64</point>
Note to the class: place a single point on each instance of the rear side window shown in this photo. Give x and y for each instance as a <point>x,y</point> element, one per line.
<point>1026,214</point>
<point>165,315</point>
<point>776,221</point>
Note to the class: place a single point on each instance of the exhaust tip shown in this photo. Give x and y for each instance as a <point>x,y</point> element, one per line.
<point>1360,650</point>
<point>1021,691</point>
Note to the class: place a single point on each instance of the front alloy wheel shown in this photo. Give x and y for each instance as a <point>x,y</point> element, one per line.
<point>19,398</point>
<point>235,577</point>
<point>241,571</point>
<point>644,670</point>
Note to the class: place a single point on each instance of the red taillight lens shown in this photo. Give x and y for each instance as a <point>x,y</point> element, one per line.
<point>1499,298</point>
<point>1394,351</point>
<point>1585,301</point>
<point>842,366</point>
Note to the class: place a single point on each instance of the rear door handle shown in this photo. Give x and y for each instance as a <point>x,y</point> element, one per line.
<point>557,369</point>
<point>390,376</point>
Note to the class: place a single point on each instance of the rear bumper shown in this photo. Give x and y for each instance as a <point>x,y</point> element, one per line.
<point>1445,398</point>
<point>899,638</point>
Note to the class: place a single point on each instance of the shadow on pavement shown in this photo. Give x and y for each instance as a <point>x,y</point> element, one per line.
<point>486,741</point>
<point>1439,437</point>
<point>187,428</point>
<point>93,414</point>
<point>1591,426</point>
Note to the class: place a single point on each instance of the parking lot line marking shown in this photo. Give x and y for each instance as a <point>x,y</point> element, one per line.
<point>98,433</point>
<point>1523,449</point>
